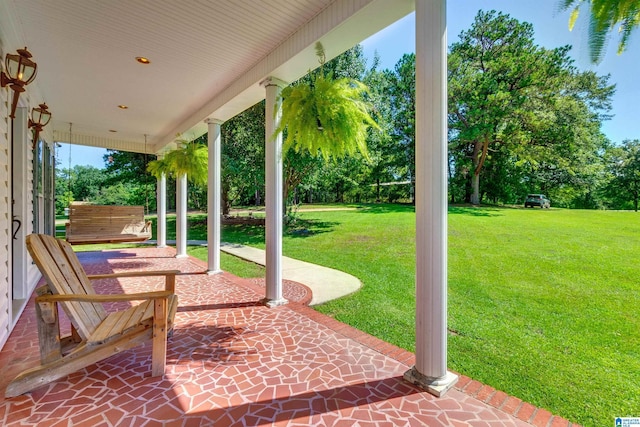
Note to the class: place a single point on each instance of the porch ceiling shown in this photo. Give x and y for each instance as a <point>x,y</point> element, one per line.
<point>207,58</point>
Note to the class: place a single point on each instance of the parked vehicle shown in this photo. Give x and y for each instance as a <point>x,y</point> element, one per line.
<point>537,200</point>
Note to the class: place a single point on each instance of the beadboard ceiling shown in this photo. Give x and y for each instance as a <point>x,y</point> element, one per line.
<point>208,58</point>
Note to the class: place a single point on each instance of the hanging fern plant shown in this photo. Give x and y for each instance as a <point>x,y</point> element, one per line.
<point>190,158</point>
<point>327,116</point>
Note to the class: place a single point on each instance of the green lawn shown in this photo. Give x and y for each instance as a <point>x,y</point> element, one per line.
<point>543,304</point>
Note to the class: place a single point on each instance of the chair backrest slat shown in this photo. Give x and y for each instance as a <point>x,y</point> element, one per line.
<point>64,274</point>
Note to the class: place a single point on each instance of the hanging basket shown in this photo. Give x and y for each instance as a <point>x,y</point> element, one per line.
<point>191,159</point>
<point>327,116</point>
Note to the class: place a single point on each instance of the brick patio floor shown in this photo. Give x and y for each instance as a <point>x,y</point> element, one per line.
<point>235,362</point>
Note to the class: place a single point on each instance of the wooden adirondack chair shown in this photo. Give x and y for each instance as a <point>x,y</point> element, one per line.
<point>95,334</point>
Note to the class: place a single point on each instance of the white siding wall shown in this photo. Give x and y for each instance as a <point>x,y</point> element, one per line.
<point>10,309</point>
<point>5,220</point>
<point>33,274</point>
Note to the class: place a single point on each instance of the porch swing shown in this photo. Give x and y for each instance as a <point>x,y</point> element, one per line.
<point>90,224</point>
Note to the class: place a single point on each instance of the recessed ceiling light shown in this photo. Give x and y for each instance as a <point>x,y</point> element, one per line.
<point>143,60</point>
<point>122,107</point>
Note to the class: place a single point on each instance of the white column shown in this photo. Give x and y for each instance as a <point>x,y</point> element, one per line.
<point>213,197</point>
<point>430,371</point>
<point>162,211</point>
<point>273,197</point>
<point>181,216</point>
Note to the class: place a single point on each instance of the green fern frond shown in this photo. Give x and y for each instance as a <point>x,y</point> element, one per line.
<point>190,158</point>
<point>159,167</point>
<point>328,117</point>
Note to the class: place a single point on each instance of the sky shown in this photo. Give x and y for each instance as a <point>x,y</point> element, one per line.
<point>551,30</point>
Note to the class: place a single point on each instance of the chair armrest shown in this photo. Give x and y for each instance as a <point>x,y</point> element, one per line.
<point>147,227</point>
<point>133,274</point>
<point>105,298</point>
<point>170,275</point>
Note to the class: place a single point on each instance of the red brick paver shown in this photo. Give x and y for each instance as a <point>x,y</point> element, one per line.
<point>232,361</point>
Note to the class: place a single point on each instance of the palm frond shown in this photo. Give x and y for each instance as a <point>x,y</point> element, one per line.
<point>606,16</point>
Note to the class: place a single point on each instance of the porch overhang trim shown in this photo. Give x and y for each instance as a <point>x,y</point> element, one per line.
<point>339,27</point>
<point>101,142</point>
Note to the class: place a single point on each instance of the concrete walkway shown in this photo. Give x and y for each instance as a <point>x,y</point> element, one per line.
<point>326,283</point>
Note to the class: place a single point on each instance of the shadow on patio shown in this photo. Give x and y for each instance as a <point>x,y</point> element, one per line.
<point>232,361</point>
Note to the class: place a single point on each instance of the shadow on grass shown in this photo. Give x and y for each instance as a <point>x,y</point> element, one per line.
<point>474,211</point>
<point>309,227</point>
<point>254,234</point>
<point>243,234</point>
<point>384,208</point>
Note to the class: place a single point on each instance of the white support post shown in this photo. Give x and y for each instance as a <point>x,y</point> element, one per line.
<point>213,197</point>
<point>273,197</point>
<point>430,371</point>
<point>162,211</point>
<point>181,216</point>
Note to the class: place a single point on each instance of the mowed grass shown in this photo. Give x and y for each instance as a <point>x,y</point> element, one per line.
<point>543,304</point>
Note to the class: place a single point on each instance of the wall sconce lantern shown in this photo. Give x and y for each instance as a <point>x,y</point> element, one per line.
<point>20,71</point>
<point>40,117</point>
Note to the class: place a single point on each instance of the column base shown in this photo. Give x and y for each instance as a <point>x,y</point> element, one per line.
<point>436,386</point>
<point>182,256</point>
<point>274,302</point>
<point>212,272</point>
<point>161,246</point>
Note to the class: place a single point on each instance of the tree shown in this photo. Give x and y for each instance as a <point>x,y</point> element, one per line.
<point>131,168</point>
<point>562,158</point>
<point>81,183</point>
<point>624,166</point>
<point>605,16</point>
<point>243,158</point>
<point>86,182</point>
<point>64,195</point>
<point>383,155</point>
<point>497,76</point>
<point>402,97</point>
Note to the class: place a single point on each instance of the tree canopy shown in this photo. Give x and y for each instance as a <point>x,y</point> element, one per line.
<point>522,119</point>
<point>517,109</point>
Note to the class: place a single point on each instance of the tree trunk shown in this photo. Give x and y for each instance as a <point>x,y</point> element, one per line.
<point>475,185</point>
<point>224,201</point>
<point>480,151</point>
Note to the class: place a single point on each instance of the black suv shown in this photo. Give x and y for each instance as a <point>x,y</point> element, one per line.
<point>537,200</point>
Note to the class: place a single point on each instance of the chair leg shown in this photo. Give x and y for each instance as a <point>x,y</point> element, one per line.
<point>159,350</point>
<point>83,356</point>
<point>48,329</point>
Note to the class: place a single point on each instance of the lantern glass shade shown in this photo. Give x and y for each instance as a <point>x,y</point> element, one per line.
<point>40,116</point>
<point>20,68</point>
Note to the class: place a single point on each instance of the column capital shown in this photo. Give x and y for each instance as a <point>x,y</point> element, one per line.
<point>273,81</point>
<point>213,121</point>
